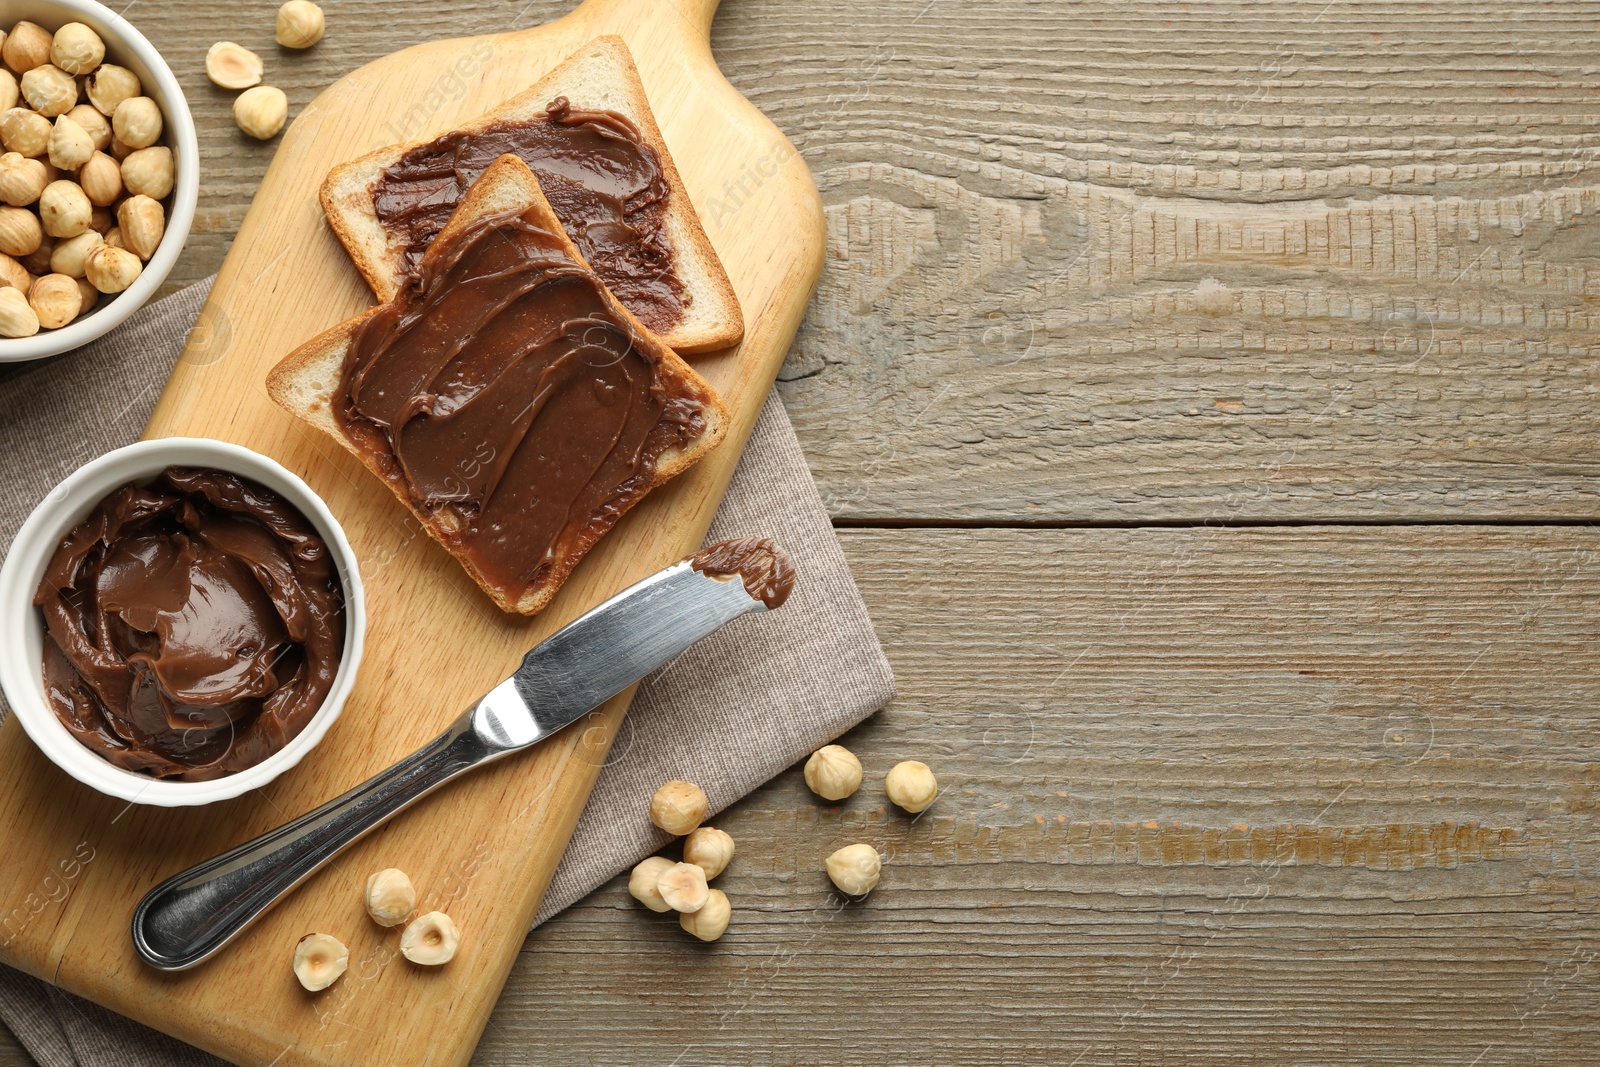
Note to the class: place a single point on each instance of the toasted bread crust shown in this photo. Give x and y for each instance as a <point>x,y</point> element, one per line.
<point>714,320</point>
<point>303,382</point>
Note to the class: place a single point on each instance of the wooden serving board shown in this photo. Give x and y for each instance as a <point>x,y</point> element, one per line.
<point>484,848</point>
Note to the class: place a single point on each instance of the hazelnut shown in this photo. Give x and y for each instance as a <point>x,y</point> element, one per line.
<point>101,220</point>
<point>137,122</point>
<point>96,125</point>
<point>17,318</point>
<point>148,171</point>
<point>113,237</point>
<point>233,66</point>
<point>101,179</point>
<point>110,85</point>
<point>390,897</point>
<point>709,849</point>
<point>261,112</point>
<point>677,807</point>
<point>682,885</point>
<point>63,209</point>
<point>300,24</point>
<point>70,145</point>
<point>319,960</point>
<point>642,883</point>
<point>15,273</point>
<point>89,294</point>
<point>21,179</point>
<point>77,49</point>
<point>118,150</point>
<point>55,300</point>
<point>854,869</point>
<point>38,261</point>
<point>70,256</point>
<point>431,939</point>
<point>111,269</point>
<point>142,222</point>
<point>833,772</point>
<point>49,90</point>
<point>27,46</point>
<point>711,921</point>
<point>25,132</point>
<point>19,231</point>
<point>911,785</point>
<point>10,93</point>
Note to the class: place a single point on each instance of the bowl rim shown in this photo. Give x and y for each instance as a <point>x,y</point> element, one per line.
<point>35,542</point>
<point>186,190</point>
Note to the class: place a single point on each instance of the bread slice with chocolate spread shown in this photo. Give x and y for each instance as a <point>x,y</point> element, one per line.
<point>493,413</point>
<point>665,271</point>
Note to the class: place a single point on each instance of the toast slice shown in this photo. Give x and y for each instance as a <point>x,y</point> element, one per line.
<point>311,383</point>
<point>600,77</point>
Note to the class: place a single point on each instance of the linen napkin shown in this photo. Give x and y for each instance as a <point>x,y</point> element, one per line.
<point>763,696</point>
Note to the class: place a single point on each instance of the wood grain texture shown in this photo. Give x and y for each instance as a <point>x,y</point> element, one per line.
<point>484,848</point>
<point>1225,797</point>
<point>1096,262</point>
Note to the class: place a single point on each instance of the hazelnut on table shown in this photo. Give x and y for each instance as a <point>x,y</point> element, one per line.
<point>390,897</point>
<point>431,939</point>
<point>643,882</point>
<point>911,785</point>
<point>319,960</point>
<point>833,772</point>
<point>678,807</point>
<point>855,869</point>
<point>682,885</point>
<point>261,112</point>
<point>300,24</point>
<point>233,66</point>
<point>711,921</point>
<point>709,849</point>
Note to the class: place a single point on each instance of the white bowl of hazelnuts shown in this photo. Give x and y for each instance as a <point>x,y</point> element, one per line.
<point>99,172</point>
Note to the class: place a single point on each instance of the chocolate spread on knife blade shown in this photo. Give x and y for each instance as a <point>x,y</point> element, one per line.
<point>605,184</point>
<point>766,570</point>
<point>193,625</point>
<point>500,382</point>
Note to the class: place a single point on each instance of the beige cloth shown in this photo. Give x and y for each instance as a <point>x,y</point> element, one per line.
<point>755,698</point>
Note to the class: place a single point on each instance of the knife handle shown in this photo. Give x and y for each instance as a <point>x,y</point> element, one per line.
<point>196,912</point>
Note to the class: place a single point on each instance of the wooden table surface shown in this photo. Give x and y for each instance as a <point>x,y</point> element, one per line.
<point>1204,393</point>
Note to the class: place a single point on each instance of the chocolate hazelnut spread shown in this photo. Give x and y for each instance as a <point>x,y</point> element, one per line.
<point>193,625</point>
<point>605,184</point>
<point>766,570</point>
<point>500,383</point>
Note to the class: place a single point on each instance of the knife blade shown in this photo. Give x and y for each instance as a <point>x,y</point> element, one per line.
<point>195,913</point>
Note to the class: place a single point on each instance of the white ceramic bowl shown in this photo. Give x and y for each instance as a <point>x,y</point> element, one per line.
<point>126,47</point>
<point>22,624</point>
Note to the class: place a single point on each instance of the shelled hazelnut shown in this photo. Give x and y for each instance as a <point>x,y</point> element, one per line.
<point>109,86</point>
<point>643,882</point>
<point>21,179</point>
<point>49,90</point>
<point>149,171</point>
<point>17,317</point>
<point>26,46</point>
<point>15,273</point>
<point>55,300</point>
<point>141,222</point>
<point>319,960</point>
<point>261,111</point>
<point>137,122</point>
<point>677,807</point>
<point>390,897</point>
<point>38,261</point>
<point>71,256</point>
<point>96,125</point>
<point>63,209</point>
<point>101,179</point>
<point>111,269</point>
<point>682,885</point>
<point>233,66</point>
<point>25,132</point>
<point>77,49</point>
<point>711,921</point>
<point>431,939</point>
<point>833,772</point>
<point>855,869</point>
<point>70,145</point>
<point>709,849</point>
<point>20,232</point>
<point>911,785</point>
<point>300,24</point>
<point>10,91</point>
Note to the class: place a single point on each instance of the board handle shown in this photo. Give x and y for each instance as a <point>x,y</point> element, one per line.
<point>191,915</point>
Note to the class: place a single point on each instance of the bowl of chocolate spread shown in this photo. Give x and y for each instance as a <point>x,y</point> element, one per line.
<point>184,620</point>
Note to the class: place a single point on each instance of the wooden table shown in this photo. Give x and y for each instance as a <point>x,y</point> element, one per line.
<point>1205,396</point>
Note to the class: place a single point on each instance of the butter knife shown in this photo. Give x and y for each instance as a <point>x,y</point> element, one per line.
<point>193,914</point>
